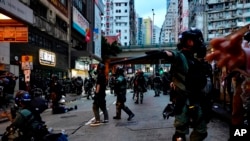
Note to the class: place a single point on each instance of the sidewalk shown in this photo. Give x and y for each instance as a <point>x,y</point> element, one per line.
<point>222,112</point>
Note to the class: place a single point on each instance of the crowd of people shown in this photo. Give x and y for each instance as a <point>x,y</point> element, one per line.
<point>190,83</point>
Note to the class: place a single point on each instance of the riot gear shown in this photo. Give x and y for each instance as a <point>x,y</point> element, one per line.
<point>120,91</point>
<point>101,67</point>
<point>22,96</point>
<point>195,35</point>
<point>119,71</point>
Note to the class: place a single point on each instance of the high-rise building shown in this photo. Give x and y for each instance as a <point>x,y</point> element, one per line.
<point>168,4</point>
<point>140,31</point>
<point>147,31</point>
<point>183,13</point>
<point>229,15</point>
<point>169,32</point>
<point>197,15</point>
<point>119,19</point>
<point>156,34</point>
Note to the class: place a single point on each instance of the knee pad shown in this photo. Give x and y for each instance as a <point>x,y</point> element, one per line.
<point>179,137</point>
<point>198,136</point>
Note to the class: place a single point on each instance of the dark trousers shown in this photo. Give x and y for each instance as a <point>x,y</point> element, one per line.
<point>100,103</point>
<point>121,106</point>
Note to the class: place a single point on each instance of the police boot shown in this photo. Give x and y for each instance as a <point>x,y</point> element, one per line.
<point>129,112</point>
<point>118,113</point>
<point>179,137</point>
<point>137,101</point>
<point>196,136</point>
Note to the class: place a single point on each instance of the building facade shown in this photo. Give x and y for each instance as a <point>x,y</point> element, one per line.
<point>119,20</point>
<point>223,17</point>
<point>169,29</point>
<point>45,38</point>
<point>140,31</point>
<point>148,31</point>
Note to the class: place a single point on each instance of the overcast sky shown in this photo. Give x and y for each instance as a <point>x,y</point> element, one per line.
<point>144,9</point>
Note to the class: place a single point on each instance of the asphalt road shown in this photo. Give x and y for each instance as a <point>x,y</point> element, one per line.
<point>147,125</point>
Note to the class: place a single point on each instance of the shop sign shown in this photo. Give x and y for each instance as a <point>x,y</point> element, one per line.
<point>14,34</point>
<point>27,62</point>
<point>27,75</point>
<point>79,22</point>
<point>81,65</point>
<point>47,58</point>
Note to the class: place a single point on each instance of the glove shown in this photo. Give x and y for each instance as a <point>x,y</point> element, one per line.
<point>168,111</point>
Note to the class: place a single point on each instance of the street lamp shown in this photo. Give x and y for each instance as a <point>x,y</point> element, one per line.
<point>152,27</point>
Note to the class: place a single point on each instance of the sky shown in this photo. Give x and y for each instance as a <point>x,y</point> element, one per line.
<point>144,9</point>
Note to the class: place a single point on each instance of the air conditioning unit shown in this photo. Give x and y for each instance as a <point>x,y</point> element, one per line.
<point>26,2</point>
<point>51,15</point>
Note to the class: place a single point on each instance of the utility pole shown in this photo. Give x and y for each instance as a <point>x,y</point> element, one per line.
<point>152,41</point>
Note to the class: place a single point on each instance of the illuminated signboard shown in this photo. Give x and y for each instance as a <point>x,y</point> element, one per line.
<point>27,62</point>
<point>79,22</point>
<point>13,34</point>
<point>47,58</point>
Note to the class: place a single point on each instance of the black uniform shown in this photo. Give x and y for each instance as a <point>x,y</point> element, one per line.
<point>120,91</point>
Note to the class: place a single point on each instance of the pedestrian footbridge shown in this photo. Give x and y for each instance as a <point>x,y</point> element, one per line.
<point>139,50</point>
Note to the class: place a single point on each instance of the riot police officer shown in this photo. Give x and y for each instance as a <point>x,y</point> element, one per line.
<point>188,82</point>
<point>120,91</point>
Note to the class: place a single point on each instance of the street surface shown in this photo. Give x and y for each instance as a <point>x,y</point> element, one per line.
<point>147,125</point>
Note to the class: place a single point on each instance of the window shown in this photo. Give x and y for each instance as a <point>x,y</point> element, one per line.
<point>64,2</point>
<point>118,4</point>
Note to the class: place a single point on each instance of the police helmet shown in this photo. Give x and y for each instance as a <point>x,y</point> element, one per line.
<point>119,70</point>
<point>22,96</point>
<point>54,77</point>
<point>101,67</point>
<point>157,74</point>
<point>195,35</point>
